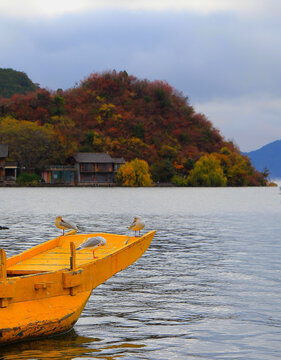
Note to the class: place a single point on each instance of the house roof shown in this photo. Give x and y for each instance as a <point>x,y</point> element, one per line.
<point>93,158</point>
<point>119,160</point>
<point>3,150</point>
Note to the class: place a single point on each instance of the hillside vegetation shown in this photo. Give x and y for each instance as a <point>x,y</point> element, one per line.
<point>15,82</point>
<point>125,116</point>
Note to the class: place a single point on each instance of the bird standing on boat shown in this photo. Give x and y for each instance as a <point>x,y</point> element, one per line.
<point>93,243</point>
<point>64,225</point>
<point>137,225</point>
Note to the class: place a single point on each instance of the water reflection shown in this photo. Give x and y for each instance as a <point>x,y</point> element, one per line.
<point>67,346</point>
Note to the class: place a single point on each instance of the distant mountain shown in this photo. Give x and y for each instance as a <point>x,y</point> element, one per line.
<point>269,156</point>
<point>15,82</point>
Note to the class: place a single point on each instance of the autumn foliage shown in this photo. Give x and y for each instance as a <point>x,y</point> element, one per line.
<point>134,173</point>
<point>126,117</point>
<point>207,172</point>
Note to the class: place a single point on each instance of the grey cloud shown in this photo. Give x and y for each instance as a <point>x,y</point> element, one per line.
<point>203,56</point>
<point>216,60</point>
<point>252,121</point>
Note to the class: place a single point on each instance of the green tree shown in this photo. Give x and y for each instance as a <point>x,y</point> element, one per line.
<point>238,169</point>
<point>207,172</point>
<point>189,164</point>
<point>33,146</point>
<point>265,173</point>
<point>134,173</point>
<point>162,171</point>
<point>179,180</point>
<point>58,106</point>
<point>163,97</point>
<point>27,179</point>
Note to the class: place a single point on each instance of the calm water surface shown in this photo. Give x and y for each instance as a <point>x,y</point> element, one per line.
<point>208,287</point>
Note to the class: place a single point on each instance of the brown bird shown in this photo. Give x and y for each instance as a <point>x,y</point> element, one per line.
<point>137,225</point>
<point>64,225</point>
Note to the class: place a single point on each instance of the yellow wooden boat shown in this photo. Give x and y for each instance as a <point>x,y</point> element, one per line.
<point>44,290</point>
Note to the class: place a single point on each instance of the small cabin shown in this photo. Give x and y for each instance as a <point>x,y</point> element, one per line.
<point>96,168</point>
<point>8,169</point>
<point>59,175</point>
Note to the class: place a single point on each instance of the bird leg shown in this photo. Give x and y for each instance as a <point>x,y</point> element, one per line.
<point>94,257</point>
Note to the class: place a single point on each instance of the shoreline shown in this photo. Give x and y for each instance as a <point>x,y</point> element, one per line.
<point>82,185</point>
<point>162,185</point>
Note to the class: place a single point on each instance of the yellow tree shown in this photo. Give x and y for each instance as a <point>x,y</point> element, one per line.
<point>238,169</point>
<point>134,173</point>
<point>207,172</point>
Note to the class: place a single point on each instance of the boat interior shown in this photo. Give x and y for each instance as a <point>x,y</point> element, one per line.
<point>58,254</point>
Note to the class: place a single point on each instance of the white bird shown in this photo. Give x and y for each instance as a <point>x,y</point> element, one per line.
<point>137,225</point>
<point>93,243</point>
<point>64,225</point>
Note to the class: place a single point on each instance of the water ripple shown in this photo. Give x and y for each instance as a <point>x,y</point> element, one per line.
<point>207,288</point>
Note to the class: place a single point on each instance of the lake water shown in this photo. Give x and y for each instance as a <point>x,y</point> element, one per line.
<point>208,287</point>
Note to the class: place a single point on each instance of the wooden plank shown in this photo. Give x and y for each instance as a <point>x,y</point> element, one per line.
<point>71,278</point>
<point>7,289</point>
<point>73,256</point>
<point>55,254</point>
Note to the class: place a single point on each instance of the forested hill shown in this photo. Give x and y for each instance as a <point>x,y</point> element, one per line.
<point>122,115</point>
<point>15,82</point>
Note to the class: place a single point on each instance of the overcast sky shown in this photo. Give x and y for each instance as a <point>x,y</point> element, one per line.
<point>225,55</point>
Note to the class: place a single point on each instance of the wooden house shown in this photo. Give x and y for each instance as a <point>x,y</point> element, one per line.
<point>96,168</point>
<point>8,169</point>
<point>59,175</point>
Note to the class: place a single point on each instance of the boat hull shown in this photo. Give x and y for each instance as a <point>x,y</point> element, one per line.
<point>49,303</point>
<point>42,317</point>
